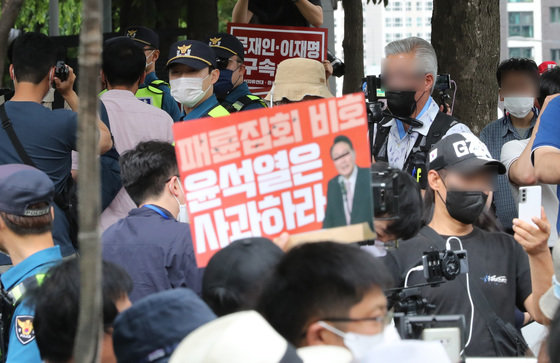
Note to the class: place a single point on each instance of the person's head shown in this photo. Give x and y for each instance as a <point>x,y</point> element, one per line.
<point>343,155</point>
<point>148,41</point>
<point>150,330</point>
<point>409,73</point>
<point>549,84</point>
<point>192,72</point>
<point>57,307</point>
<point>299,79</point>
<point>26,199</point>
<point>150,175</point>
<point>518,82</point>
<point>405,222</point>
<point>33,58</point>
<point>229,59</point>
<point>123,63</point>
<point>236,274</point>
<point>320,291</point>
<point>460,177</point>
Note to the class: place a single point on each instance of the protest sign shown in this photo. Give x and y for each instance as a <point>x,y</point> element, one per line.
<point>267,45</point>
<point>267,171</point>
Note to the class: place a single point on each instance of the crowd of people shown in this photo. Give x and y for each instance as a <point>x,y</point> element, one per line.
<point>258,300</point>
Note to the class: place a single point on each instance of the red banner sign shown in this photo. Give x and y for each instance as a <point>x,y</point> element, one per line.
<point>267,45</point>
<point>264,172</point>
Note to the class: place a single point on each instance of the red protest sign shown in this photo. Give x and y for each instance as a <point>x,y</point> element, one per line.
<point>267,45</point>
<point>267,171</point>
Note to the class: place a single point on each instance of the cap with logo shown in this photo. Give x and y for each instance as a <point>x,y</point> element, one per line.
<point>464,153</point>
<point>226,45</point>
<point>21,187</point>
<point>143,35</point>
<point>547,65</point>
<point>193,53</point>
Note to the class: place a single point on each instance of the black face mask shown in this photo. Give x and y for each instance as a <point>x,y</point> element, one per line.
<point>465,206</point>
<point>401,103</point>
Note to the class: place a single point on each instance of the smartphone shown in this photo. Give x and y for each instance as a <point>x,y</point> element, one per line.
<point>530,203</point>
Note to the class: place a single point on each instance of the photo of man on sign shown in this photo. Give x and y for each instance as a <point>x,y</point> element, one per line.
<point>348,188</point>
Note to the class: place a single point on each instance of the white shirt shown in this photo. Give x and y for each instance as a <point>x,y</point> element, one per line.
<point>510,153</point>
<point>132,121</point>
<point>398,149</point>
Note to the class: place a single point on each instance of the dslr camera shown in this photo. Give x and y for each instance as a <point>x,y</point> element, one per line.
<point>61,71</point>
<point>385,191</point>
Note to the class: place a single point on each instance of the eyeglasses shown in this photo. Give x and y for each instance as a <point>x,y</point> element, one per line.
<point>341,156</point>
<point>385,319</point>
<point>223,63</point>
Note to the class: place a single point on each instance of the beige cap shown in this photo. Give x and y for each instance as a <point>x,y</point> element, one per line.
<point>297,78</point>
<point>550,301</point>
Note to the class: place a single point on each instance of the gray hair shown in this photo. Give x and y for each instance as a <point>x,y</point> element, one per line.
<point>426,59</point>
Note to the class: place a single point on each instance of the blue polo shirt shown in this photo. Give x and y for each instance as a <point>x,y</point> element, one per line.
<point>240,91</point>
<point>549,134</point>
<point>202,110</point>
<point>22,346</point>
<point>168,103</point>
<point>155,249</point>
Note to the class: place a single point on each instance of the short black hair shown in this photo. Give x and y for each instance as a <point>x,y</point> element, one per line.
<point>124,61</point>
<point>57,306</point>
<point>25,225</point>
<point>410,204</point>
<point>33,55</point>
<point>342,138</point>
<point>549,84</point>
<point>146,168</point>
<point>317,280</point>
<point>523,65</point>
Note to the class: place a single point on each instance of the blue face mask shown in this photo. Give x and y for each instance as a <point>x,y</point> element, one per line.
<point>224,84</point>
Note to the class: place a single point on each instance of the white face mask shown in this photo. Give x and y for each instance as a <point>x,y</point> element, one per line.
<point>358,344</point>
<point>183,215</point>
<point>519,106</point>
<point>188,91</point>
<point>149,55</point>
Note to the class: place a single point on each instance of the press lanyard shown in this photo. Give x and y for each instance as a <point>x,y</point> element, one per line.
<point>157,210</point>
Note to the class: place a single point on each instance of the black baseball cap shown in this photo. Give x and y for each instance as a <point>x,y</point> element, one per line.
<point>192,53</point>
<point>226,45</point>
<point>464,153</point>
<point>143,35</point>
<point>22,186</point>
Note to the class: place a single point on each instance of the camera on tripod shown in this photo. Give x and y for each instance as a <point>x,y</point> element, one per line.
<point>444,265</point>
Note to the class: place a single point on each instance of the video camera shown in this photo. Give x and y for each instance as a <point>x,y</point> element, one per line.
<point>385,191</point>
<point>443,84</point>
<point>337,64</point>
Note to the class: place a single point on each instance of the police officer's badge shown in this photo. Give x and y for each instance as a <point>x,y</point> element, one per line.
<point>182,50</point>
<point>132,33</point>
<point>24,329</point>
<point>215,41</point>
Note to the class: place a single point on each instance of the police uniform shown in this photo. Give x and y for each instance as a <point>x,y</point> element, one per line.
<point>20,186</point>
<point>233,99</point>
<point>153,91</point>
<point>197,55</point>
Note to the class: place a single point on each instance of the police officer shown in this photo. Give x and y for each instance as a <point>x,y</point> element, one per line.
<point>26,215</point>
<point>153,91</point>
<point>231,89</point>
<point>192,75</point>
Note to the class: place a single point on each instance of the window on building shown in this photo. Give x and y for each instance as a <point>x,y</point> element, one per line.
<point>428,36</point>
<point>397,6</point>
<point>408,21</point>
<point>429,6</point>
<point>388,38</point>
<point>398,35</point>
<point>408,35</point>
<point>408,6</point>
<point>418,21</point>
<point>521,52</point>
<point>419,35</point>
<point>555,14</point>
<point>419,6</point>
<point>388,22</point>
<point>398,22</point>
<point>521,24</point>
<point>555,55</point>
<point>429,21</point>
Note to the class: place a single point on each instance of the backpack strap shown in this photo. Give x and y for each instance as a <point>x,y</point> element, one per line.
<point>7,125</point>
<point>442,123</point>
<point>379,146</point>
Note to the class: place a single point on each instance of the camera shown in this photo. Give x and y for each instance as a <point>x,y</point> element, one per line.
<point>444,265</point>
<point>385,191</point>
<point>337,64</point>
<point>61,71</point>
<point>374,92</point>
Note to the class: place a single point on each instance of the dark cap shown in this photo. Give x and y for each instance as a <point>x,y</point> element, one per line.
<point>22,186</point>
<point>464,153</point>
<point>143,35</point>
<point>121,41</point>
<point>239,269</point>
<point>192,53</point>
<point>226,45</point>
<point>150,330</point>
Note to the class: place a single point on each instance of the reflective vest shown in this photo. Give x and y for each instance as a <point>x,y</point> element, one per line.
<point>218,111</point>
<point>243,102</point>
<point>151,94</point>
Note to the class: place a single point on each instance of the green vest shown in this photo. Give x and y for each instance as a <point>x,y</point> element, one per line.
<point>243,102</point>
<point>218,111</point>
<point>150,94</point>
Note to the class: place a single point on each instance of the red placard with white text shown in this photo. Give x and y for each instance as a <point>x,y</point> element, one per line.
<point>267,45</point>
<point>264,172</point>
